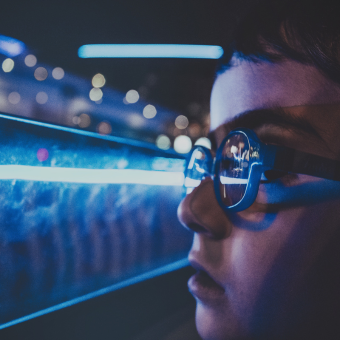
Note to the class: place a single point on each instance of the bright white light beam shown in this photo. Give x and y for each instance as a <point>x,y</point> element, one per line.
<point>150,51</point>
<point>231,180</point>
<point>80,175</point>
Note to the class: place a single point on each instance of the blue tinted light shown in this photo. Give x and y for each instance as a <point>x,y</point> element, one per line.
<point>11,47</point>
<point>79,175</point>
<point>140,278</point>
<point>150,51</point>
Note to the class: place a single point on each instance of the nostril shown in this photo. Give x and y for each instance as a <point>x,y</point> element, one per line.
<point>196,227</point>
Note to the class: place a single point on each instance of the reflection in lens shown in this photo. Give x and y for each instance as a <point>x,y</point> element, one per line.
<point>234,169</point>
<point>197,169</point>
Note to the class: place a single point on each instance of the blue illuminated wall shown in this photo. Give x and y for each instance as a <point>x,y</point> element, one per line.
<point>60,241</point>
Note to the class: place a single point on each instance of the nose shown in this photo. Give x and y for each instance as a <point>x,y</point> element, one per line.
<point>199,211</point>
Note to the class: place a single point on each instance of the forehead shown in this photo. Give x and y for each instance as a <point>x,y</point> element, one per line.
<point>250,86</point>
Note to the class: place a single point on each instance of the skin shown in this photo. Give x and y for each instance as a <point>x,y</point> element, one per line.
<point>268,259</point>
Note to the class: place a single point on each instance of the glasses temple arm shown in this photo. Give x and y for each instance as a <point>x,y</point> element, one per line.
<point>295,161</point>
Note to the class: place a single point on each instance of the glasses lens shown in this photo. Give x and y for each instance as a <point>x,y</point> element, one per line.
<point>234,169</point>
<point>198,168</point>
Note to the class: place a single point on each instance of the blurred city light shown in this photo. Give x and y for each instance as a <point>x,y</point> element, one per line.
<point>11,47</point>
<point>98,80</point>
<point>7,65</point>
<point>81,175</point>
<point>136,120</point>
<point>42,154</point>
<point>149,111</point>
<point>75,120</point>
<point>182,144</point>
<point>204,141</point>
<point>104,128</point>
<point>150,51</point>
<point>194,130</point>
<point>41,98</point>
<point>30,60</point>
<point>181,122</point>
<point>40,73</point>
<point>14,98</point>
<point>84,120</point>
<point>58,73</point>
<point>163,142</point>
<point>132,96</point>
<point>96,94</point>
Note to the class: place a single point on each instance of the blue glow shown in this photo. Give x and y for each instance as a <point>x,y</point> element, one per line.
<point>150,51</point>
<point>148,275</point>
<point>80,175</point>
<point>86,133</point>
<point>11,47</point>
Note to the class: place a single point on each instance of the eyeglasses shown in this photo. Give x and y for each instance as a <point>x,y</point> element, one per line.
<point>240,162</point>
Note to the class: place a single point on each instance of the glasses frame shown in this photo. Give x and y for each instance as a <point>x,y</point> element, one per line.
<point>266,157</point>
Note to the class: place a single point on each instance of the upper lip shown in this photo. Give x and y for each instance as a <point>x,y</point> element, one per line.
<point>199,267</point>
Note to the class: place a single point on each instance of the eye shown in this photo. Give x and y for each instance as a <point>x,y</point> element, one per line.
<point>272,175</point>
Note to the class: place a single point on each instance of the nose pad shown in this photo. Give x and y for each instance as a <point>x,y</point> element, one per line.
<point>199,211</point>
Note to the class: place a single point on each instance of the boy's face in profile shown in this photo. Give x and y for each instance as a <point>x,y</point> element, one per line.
<point>254,266</point>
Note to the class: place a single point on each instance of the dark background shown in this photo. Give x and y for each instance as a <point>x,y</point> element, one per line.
<point>54,30</point>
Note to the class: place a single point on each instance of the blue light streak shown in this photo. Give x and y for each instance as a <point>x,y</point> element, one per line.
<point>11,47</point>
<point>150,51</point>
<point>148,275</point>
<point>88,133</point>
<point>93,176</point>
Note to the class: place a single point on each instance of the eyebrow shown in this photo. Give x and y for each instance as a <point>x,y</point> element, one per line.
<point>257,118</point>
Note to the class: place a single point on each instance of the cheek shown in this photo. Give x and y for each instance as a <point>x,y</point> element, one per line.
<point>262,264</point>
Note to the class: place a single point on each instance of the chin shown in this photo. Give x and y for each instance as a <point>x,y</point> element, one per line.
<point>216,323</point>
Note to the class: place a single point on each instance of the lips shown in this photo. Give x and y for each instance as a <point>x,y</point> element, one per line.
<point>204,288</point>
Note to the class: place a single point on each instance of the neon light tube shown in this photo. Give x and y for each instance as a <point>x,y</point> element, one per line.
<point>150,51</point>
<point>11,47</point>
<point>148,275</point>
<point>79,175</point>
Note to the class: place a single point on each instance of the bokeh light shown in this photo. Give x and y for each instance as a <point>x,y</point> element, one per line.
<point>182,144</point>
<point>41,97</point>
<point>194,130</point>
<point>96,94</point>
<point>181,122</point>
<point>163,142</point>
<point>58,73</point>
<point>104,128</point>
<point>132,96</point>
<point>40,73</point>
<point>14,98</point>
<point>149,111</point>
<point>30,60</point>
<point>84,120</point>
<point>136,120</point>
<point>98,80</point>
<point>42,154</point>
<point>7,65</point>
<point>122,164</point>
<point>75,120</point>
<point>204,141</point>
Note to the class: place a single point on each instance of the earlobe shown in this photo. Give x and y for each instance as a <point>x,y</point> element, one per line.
<point>200,212</point>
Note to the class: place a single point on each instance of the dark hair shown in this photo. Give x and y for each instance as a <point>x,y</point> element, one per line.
<point>305,31</point>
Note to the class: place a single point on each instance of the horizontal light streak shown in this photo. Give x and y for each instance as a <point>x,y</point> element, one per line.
<point>150,51</point>
<point>80,175</point>
<point>191,183</point>
<point>140,278</point>
<point>231,180</point>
